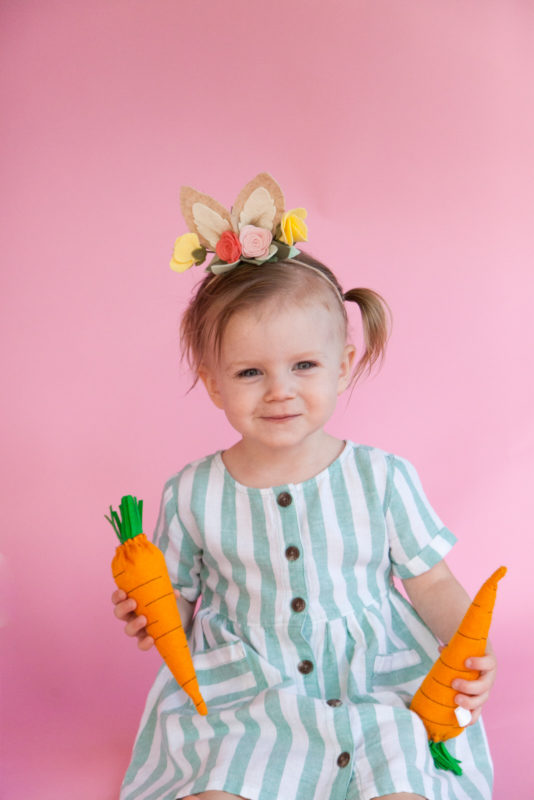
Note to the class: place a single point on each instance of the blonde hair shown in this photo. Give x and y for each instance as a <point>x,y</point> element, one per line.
<point>218,297</point>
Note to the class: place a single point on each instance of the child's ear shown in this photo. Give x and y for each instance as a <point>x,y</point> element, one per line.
<point>346,367</point>
<point>210,382</point>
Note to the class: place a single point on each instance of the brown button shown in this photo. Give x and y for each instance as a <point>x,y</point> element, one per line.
<point>334,702</point>
<point>298,604</point>
<point>292,553</point>
<point>284,499</point>
<point>305,667</point>
<point>343,759</point>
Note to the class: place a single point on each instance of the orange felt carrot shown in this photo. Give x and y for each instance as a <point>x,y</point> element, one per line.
<point>139,569</point>
<point>434,700</point>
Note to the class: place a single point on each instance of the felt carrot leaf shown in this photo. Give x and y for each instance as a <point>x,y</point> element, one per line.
<point>434,700</point>
<point>139,569</point>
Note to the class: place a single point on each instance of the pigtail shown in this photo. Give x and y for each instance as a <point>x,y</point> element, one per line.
<point>376,321</point>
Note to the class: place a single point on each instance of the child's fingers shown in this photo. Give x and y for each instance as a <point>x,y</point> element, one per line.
<point>483,664</point>
<point>117,596</point>
<point>471,701</point>
<point>481,685</point>
<point>124,610</point>
<point>145,642</point>
<point>135,625</point>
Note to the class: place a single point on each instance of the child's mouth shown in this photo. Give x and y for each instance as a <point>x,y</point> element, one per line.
<point>281,417</point>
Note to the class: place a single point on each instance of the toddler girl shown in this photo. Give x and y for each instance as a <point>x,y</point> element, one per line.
<point>306,654</point>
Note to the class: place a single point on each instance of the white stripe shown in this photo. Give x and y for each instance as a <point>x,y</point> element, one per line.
<point>362,528</point>
<point>259,757</point>
<point>213,525</point>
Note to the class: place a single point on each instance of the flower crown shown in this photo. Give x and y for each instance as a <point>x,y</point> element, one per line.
<point>256,230</point>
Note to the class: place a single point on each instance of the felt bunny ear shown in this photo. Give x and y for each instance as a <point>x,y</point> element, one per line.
<point>204,215</point>
<point>259,203</point>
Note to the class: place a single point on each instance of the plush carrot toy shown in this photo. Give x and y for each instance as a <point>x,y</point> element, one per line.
<point>434,700</point>
<point>139,569</point>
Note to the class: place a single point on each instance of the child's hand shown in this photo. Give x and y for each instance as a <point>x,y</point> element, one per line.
<point>135,626</point>
<point>473,694</point>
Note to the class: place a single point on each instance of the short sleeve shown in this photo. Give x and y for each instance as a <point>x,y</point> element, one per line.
<point>178,542</point>
<point>418,539</point>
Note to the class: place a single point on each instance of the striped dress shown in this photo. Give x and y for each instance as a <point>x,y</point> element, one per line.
<point>305,652</point>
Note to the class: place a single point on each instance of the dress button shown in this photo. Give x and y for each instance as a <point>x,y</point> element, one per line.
<point>305,667</point>
<point>284,499</point>
<point>298,604</point>
<point>343,759</point>
<point>292,553</point>
<point>334,702</point>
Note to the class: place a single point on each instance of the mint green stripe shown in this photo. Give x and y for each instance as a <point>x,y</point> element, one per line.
<point>146,736</point>
<point>244,750</point>
<point>280,752</point>
<point>405,726</point>
<point>220,730</point>
<point>319,553</point>
<point>383,780</point>
<point>230,531</point>
<point>262,557</point>
<point>313,762</point>
<point>376,517</point>
<point>343,507</point>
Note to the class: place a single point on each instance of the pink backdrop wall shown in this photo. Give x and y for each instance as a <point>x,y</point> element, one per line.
<point>406,129</point>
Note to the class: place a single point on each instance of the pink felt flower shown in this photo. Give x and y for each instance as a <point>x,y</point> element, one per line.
<point>255,241</point>
<point>228,247</point>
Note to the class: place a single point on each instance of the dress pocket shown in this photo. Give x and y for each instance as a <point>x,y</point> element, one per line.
<point>224,674</point>
<point>397,669</point>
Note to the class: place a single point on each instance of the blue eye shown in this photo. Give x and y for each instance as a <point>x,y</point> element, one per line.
<point>303,365</point>
<point>248,373</point>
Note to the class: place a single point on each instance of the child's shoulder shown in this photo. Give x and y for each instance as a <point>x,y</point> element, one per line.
<point>198,469</point>
<point>377,456</point>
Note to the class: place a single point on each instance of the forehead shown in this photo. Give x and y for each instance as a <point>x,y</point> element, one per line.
<point>283,325</point>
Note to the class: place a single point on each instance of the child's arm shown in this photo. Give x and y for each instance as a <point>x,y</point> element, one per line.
<point>135,626</point>
<point>441,602</point>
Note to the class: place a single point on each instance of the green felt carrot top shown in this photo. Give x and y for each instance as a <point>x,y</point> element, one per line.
<point>128,523</point>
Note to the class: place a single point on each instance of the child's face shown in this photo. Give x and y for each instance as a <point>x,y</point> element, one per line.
<point>280,372</point>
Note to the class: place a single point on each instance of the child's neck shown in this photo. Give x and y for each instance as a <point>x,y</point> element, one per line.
<point>262,468</point>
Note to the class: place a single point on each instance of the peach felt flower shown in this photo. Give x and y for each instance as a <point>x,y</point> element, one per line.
<point>187,251</point>
<point>228,247</point>
<point>293,228</point>
<point>255,241</point>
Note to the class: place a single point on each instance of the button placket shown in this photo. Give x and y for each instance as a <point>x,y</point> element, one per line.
<point>287,500</point>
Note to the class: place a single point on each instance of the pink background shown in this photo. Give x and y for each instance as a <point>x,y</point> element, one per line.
<point>406,129</point>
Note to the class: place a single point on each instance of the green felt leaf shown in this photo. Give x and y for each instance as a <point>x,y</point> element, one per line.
<point>128,523</point>
<point>218,267</point>
<point>199,255</point>
<point>443,759</point>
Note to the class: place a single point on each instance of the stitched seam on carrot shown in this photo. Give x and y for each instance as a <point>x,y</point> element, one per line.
<point>456,669</point>
<point>437,702</point>
<point>135,588</point>
<point>158,598</point>
<point>446,685</point>
<point>178,627</point>
<point>437,722</point>
<point>473,638</point>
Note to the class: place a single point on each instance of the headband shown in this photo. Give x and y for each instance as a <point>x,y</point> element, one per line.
<point>257,230</point>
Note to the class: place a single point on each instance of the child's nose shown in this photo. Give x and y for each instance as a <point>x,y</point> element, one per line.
<point>280,387</point>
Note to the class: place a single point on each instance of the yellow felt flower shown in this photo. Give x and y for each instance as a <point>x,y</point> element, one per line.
<point>293,228</point>
<point>186,252</point>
